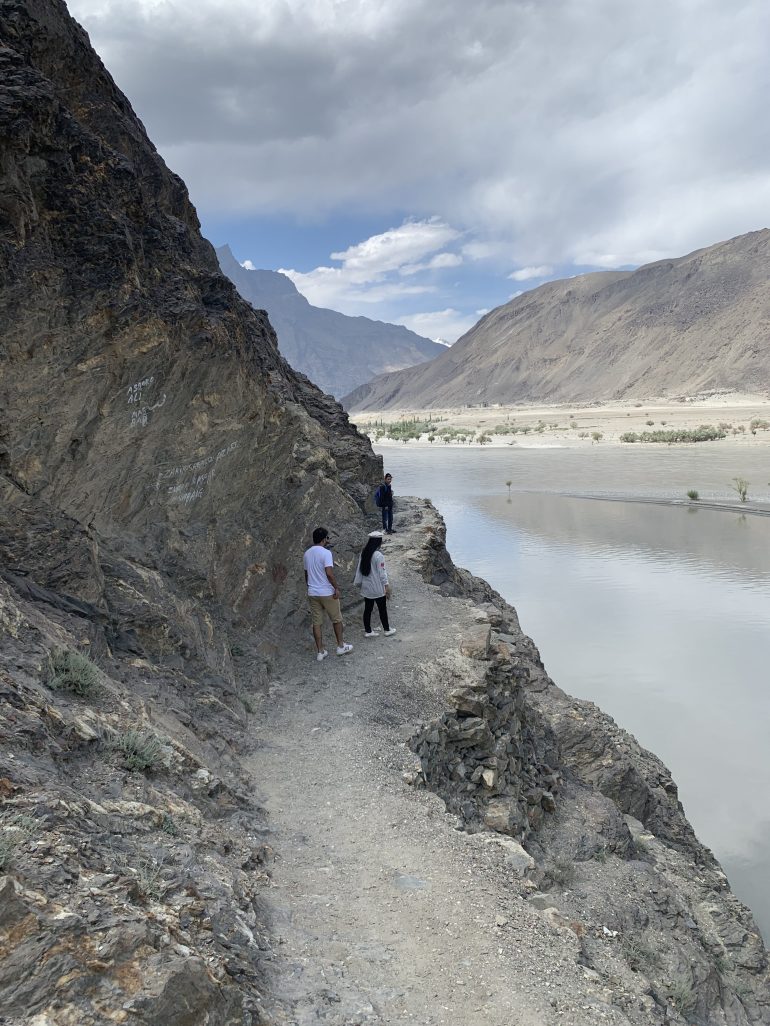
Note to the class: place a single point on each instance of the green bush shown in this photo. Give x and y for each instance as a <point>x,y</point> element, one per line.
<point>741,486</point>
<point>704,433</point>
<point>68,670</point>
<point>693,494</point>
<point>141,749</point>
<point>406,430</point>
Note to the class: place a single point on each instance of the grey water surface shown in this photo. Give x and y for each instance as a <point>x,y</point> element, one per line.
<point>658,612</point>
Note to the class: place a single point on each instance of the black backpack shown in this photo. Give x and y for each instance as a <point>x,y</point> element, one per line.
<point>378,496</point>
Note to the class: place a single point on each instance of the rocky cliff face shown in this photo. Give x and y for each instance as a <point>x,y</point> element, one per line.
<point>337,352</point>
<point>161,467</point>
<point>688,326</point>
<point>140,394</point>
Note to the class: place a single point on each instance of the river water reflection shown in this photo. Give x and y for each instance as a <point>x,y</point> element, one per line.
<point>658,613</point>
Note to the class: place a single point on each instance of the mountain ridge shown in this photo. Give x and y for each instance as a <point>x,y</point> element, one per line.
<point>684,326</point>
<point>336,351</point>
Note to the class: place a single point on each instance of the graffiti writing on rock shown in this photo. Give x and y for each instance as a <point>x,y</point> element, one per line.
<point>185,483</point>
<point>138,395</point>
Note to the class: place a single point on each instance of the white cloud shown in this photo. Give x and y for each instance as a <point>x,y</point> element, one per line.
<point>440,262</point>
<point>528,273</point>
<point>443,260</point>
<point>439,324</point>
<point>248,265</point>
<point>554,133</point>
<point>395,249</point>
<point>371,271</point>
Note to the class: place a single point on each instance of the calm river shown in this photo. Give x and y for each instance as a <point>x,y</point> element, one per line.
<point>660,614</point>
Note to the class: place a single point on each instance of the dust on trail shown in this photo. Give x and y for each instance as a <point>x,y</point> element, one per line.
<point>382,911</point>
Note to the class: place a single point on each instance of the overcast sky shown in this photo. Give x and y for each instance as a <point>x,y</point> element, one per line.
<point>421,161</point>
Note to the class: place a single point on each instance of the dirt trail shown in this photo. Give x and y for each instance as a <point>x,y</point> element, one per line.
<point>383,911</point>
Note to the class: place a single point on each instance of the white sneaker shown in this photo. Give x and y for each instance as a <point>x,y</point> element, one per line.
<point>390,632</point>
<point>320,656</point>
<point>344,649</point>
<point>371,634</point>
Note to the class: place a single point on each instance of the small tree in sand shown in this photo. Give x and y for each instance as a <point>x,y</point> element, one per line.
<point>741,486</point>
<point>508,486</point>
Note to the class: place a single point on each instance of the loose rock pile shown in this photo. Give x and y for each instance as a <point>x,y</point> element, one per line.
<point>489,759</point>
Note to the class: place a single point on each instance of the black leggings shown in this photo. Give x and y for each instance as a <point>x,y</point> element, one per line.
<point>382,609</point>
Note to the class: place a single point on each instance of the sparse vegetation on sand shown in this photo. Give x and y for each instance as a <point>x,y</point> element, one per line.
<point>676,422</point>
<point>704,433</point>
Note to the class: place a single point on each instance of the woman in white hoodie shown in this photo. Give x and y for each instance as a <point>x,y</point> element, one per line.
<point>372,579</point>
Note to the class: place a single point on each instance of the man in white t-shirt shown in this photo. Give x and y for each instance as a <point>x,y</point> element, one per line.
<point>323,593</point>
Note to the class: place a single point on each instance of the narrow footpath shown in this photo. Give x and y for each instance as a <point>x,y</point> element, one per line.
<point>382,910</point>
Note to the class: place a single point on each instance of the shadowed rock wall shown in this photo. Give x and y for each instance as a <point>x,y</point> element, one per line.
<point>139,393</point>
<point>161,468</point>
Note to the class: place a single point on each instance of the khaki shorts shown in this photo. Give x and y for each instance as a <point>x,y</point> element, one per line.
<point>324,603</point>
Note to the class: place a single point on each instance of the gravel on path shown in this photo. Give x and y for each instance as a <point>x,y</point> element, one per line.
<point>383,911</point>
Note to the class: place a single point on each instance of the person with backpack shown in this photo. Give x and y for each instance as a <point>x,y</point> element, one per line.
<point>372,580</point>
<point>383,498</point>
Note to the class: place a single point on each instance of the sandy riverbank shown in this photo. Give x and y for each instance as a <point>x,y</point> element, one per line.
<point>575,425</point>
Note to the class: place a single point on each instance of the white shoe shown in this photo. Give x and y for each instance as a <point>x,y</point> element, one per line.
<point>390,632</point>
<point>320,656</point>
<point>344,649</point>
<point>371,634</point>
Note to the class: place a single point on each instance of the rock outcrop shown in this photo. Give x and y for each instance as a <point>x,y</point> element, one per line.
<point>139,394</point>
<point>606,837</point>
<point>337,352</point>
<point>683,327</point>
<point>161,467</point>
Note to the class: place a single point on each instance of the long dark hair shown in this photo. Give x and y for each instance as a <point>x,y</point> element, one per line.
<point>372,544</point>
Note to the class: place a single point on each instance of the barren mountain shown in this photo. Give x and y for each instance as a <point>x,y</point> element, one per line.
<point>693,325</point>
<point>337,352</point>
